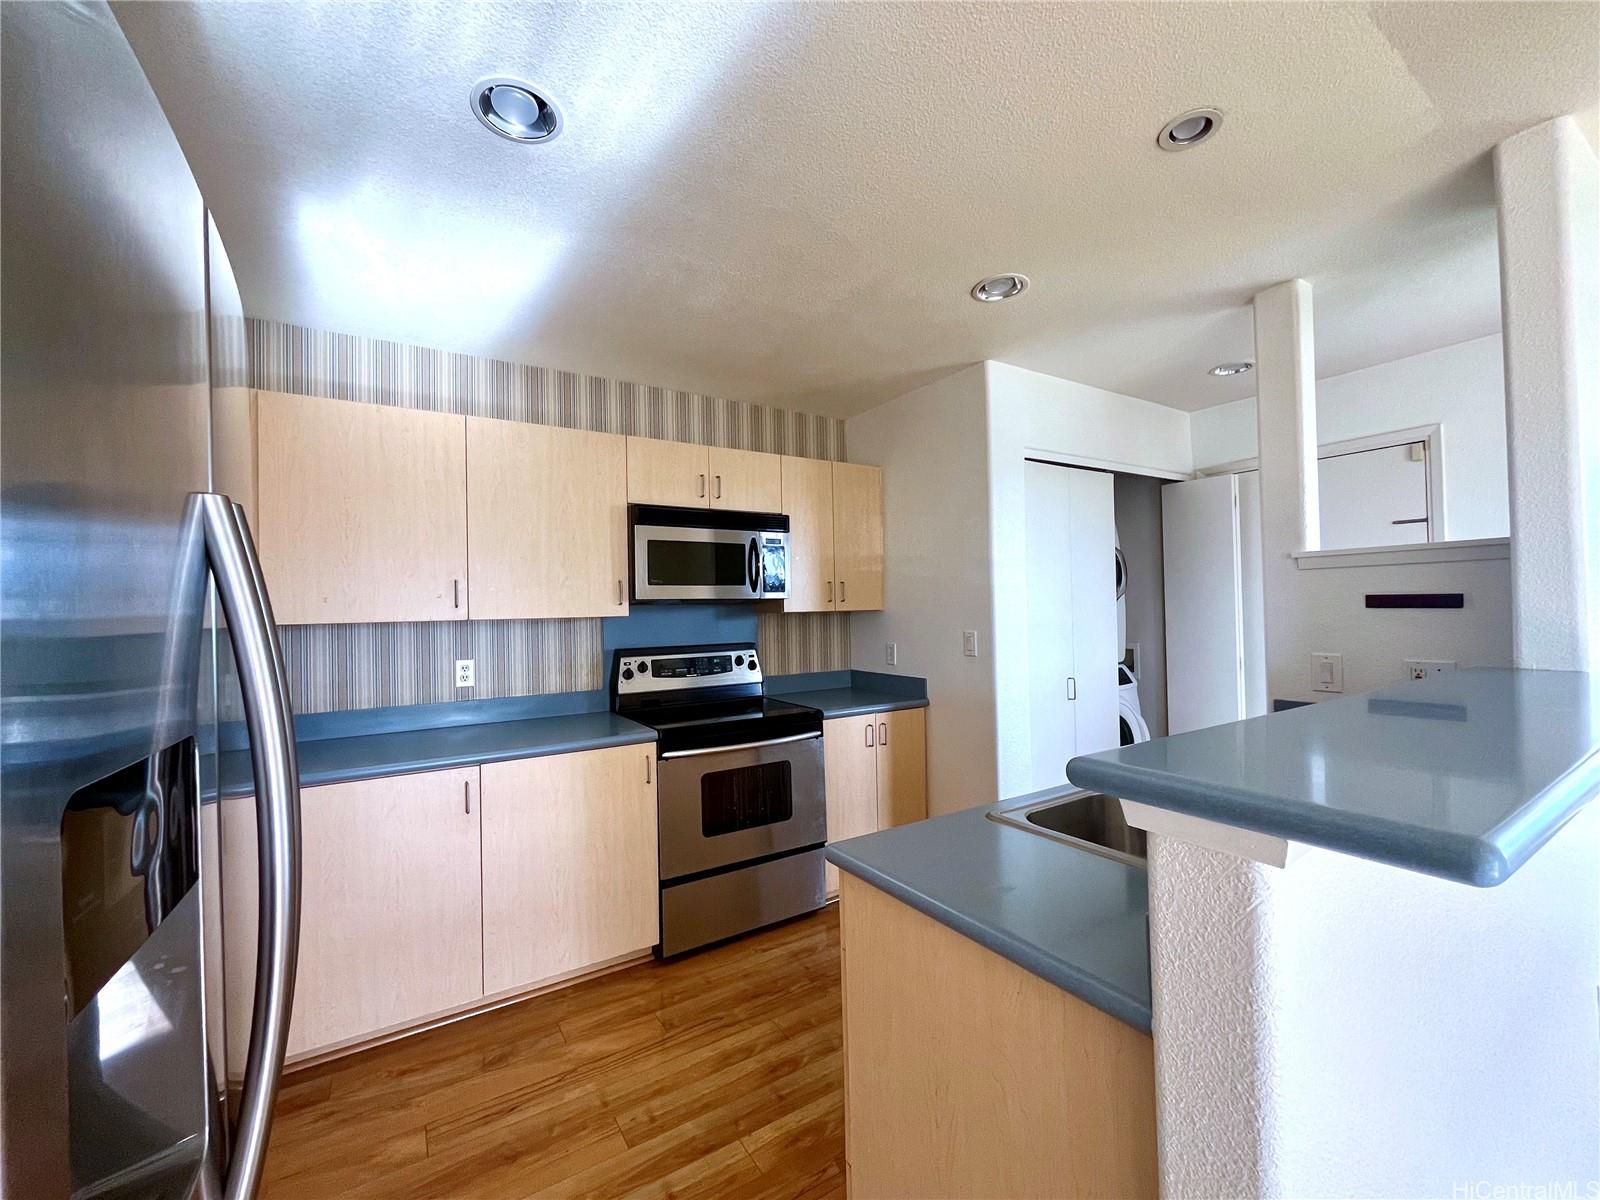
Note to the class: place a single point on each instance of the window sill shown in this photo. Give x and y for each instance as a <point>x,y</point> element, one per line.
<point>1465,550</point>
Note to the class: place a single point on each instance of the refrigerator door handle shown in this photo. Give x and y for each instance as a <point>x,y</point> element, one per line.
<point>263,684</point>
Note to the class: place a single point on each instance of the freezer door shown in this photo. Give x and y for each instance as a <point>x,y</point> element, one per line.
<point>104,358</point>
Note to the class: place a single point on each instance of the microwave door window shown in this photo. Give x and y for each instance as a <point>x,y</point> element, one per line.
<point>696,564</point>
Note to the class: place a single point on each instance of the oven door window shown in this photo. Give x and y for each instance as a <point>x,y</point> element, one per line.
<point>673,563</point>
<point>745,798</point>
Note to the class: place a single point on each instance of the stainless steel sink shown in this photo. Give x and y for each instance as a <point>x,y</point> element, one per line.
<point>1087,820</point>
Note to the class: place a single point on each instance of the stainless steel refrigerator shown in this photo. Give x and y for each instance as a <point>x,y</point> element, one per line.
<point>133,619</point>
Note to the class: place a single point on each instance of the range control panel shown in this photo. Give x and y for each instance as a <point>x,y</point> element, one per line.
<point>671,672</point>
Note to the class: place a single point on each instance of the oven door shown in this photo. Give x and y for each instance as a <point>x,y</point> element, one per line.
<point>727,805</point>
<point>695,563</point>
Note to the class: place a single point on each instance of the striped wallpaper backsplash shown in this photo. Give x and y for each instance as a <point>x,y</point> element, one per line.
<point>368,666</point>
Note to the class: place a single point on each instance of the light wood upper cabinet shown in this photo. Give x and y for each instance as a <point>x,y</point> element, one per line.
<point>548,512</point>
<point>808,500</point>
<point>858,536</point>
<point>569,863</point>
<point>390,907</point>
<point>745,480</point>
<point>661,472</point>
<point>902,767</point>
<point>362,511</point>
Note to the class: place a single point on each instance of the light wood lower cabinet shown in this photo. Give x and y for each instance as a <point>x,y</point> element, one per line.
<point>966,1075</point>
<point>875,768</point>
<point>569,863</point>
<point>390,916</point>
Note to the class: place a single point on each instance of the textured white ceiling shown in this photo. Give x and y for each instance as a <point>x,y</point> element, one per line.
<point>789,202</point>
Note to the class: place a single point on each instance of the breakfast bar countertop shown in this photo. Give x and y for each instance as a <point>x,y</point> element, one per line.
<point>1072,917</point>
<point>1463,775</point>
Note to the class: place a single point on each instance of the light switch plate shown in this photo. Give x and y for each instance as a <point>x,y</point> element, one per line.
<point>1422,668</point>
<point>891,654</point>
<point>969,643</point>
<point>466,672</point>
<point>1327,672</point>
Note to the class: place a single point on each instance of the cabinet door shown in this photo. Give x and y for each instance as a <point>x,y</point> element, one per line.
<point>548,510</point>
<point>902,767</point>
<point>858,535</point>
<point>808,499</point>
<point>362,511</point>
<point>850,775</point>
<point>569,863</point>
<point>668,473</point>
<point>390,907</point>
<point>746,480</point>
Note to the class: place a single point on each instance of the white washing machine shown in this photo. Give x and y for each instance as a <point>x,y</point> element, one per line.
<point>1129,718</point>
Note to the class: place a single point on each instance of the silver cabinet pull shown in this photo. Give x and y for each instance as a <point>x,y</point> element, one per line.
<point>466,796</point>
<point>702,487</point>
<point>719,487</point>
<point>647,768</point>
<point>455,585</point>
<point>264,688</point>
<point>1072,688</point>
<point>841,591</point>
<point>830,591</point>
<point>869,733</point>
<point>883,733</point>
<point>619,593</point>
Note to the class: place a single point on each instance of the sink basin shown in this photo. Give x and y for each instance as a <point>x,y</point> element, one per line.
<point>1088,820</point>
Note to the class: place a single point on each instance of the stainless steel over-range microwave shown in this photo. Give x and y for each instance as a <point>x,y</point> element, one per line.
<point>706,554</point>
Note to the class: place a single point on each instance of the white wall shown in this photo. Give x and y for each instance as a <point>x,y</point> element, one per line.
<point>932,446</point>
<point>952,452</point>
<point>1139,526</point>
<point>1461,388</point>
<point>1036,415</point>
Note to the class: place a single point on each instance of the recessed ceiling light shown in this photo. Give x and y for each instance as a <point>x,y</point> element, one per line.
<point>999,287</point>
<point>1233,368</point>
<point>515,110</point>
<point>1188,129</point>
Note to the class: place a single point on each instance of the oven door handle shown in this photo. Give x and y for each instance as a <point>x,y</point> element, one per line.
<point>798,737</point>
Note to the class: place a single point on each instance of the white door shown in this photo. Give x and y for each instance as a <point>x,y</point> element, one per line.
<point>1374,497</point>
<point>1201,559</point>
<point>1072,617</point>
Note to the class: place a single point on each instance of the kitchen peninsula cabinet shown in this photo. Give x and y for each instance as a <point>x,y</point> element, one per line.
<point>548,511</point>
<point>362,511</point>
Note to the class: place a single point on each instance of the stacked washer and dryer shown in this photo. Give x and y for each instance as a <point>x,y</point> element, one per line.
<point>1130,719</point>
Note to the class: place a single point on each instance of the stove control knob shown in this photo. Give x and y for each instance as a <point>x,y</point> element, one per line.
<point>738,660</point>
<point>752,663</point>
<point>644,666</point>
<point>627,673</point>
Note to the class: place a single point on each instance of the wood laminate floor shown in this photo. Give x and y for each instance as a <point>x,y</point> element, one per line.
<point>716,1075</point>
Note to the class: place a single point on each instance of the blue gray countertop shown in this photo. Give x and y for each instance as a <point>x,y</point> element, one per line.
<point>1075,919</point>
<point>1463,775</point>
<point>339,747</point>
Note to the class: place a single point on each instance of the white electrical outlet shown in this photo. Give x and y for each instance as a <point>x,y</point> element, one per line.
<point>891,654</point>
<point>969,643</point>
<point>1422,668</point>
<point>1327,672</point>
<point>466,672</point>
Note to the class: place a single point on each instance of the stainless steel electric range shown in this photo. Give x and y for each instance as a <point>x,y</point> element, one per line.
<point>740,800</point>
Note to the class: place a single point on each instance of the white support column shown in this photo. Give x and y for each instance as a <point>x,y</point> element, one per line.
<point>1549,200</point>
<point>1286,432</point>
